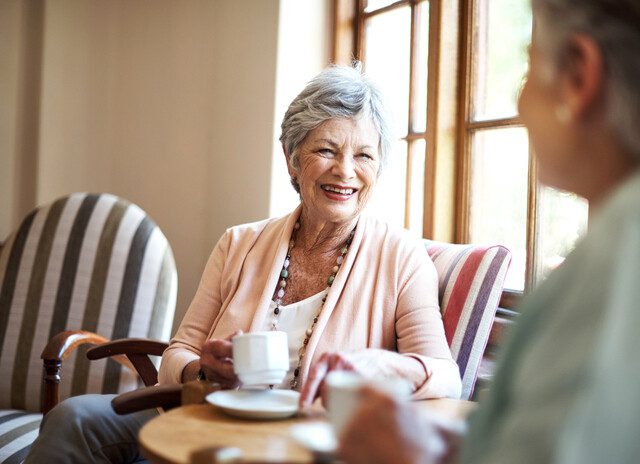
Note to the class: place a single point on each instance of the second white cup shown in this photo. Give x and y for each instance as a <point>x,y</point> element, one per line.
<point>344,398</point>
<point>261,358</point>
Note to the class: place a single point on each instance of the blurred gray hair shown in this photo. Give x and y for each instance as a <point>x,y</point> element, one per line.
<point>337,92</point>
<point>615,26</point>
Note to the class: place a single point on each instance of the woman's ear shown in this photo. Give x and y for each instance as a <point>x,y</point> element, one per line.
<point>287,158</point>
<point>582,77</point>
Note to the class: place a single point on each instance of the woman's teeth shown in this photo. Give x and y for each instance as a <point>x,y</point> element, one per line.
<point>347,191</point>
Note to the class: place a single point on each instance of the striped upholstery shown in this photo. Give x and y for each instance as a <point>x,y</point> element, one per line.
<point>471,278</point>
<point>18,429</point>
<point>86,261</point>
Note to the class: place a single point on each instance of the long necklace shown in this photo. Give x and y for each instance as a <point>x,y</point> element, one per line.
<point>284,276</point>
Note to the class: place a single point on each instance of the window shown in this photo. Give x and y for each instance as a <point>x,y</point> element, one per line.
<point>392,59</point>
<point>503,201</point>
<point>462,168</point>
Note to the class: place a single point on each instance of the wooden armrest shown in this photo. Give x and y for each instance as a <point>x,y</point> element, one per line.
<point>137,351</point>
<point>155,396</point>
<point>128,346</point>
<point>56,350</point>
<point>163,396</point>
<point>61,345</point>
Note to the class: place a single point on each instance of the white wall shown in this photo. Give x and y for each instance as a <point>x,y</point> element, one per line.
<point>20,66</point>
<point>172,104</point>
<point>303,51</point>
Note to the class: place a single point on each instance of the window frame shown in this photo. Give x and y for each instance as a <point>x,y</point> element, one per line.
<point>447,177</point>
<point>466,128</point>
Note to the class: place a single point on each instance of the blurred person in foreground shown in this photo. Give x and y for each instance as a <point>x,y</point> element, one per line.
<point>350,291</point>
<point>568,381</point>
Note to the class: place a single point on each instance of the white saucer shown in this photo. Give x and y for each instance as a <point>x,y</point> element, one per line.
<point>256,404</point>
<point>315,436</point>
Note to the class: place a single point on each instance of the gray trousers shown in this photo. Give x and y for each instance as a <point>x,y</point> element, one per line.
<point>85,429</point>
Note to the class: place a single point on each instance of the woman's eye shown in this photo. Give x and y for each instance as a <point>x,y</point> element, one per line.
<point>326,151</point>
<point>365,156</point>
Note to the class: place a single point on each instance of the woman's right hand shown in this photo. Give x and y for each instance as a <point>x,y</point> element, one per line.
<point>216,361</point>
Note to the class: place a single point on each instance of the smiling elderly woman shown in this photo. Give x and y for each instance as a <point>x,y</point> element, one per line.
<point>350,291</point>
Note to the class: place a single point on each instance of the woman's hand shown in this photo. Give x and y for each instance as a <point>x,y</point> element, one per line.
<point>384,430</point>
<point>216,361</point>
<point>314,386</point>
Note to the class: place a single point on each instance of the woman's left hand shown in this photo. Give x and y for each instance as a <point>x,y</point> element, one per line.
<point>314,386</point>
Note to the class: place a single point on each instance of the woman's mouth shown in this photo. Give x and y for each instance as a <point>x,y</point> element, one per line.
<point>336,192</point>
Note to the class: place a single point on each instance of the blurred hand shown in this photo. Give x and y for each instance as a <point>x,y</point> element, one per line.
<point>383,430</point>
<point>216,361</point>
<point>314,386</point>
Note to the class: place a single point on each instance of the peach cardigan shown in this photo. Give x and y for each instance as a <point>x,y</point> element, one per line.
<point>382,305</point>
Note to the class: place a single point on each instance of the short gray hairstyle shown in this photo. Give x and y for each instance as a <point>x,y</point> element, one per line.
<point>615,26</point>
<point>337,92</point>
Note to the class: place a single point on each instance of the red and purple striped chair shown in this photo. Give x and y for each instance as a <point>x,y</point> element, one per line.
<point>470,278</point>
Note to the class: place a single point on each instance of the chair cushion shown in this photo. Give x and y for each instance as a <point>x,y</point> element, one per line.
<point>471,278</point>
<point>18,429</point>
<point>86,261</point>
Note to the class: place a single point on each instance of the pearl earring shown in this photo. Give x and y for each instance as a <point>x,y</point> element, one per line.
<point>563,114</point>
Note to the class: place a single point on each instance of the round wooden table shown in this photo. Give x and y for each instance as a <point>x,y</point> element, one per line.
<point>172,437</point>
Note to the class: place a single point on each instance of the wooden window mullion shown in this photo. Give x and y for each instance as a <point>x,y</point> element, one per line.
<point>464,132</point>
<point>413,70</point>
<point>533,224</point>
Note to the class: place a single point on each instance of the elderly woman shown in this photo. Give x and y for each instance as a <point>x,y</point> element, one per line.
<point>566,390</point>
<point>350,291</point>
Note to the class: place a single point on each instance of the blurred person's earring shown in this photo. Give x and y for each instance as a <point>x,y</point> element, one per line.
<point>563,114</point>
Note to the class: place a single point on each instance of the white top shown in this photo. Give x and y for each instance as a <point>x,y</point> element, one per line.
<point>294,319</point>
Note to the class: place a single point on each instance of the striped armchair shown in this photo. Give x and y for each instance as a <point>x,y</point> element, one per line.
<point>471,278</point>
<point>87,263</point>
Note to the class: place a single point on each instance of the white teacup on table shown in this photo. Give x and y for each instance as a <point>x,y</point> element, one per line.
<point>260,359</point>
<point>343,391</point>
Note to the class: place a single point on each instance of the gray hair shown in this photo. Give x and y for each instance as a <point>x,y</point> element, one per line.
<point>615,26</point>
<point>337,92</point>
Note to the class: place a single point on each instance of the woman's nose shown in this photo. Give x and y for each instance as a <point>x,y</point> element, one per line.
<point>344,167</point>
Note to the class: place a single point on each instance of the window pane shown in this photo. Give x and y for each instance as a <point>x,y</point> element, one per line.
<point>498,200</point>
<point>420,62</point>
<point>502,33</point>
<point>416,198</point>
<point>562,220</point>
<point>387,60</point>
<point>388,200</point>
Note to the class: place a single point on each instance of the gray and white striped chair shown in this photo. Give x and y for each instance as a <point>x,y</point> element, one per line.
<point>88,263</point>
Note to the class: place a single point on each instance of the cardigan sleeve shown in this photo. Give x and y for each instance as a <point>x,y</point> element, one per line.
<point>196,325</point>
<point>419,328</point>
<point>421,355</point>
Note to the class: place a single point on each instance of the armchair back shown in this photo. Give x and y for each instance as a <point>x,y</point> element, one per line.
<point>86,261</point>
<point>470,282</point>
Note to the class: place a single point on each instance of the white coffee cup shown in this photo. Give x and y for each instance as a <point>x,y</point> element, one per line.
<point>343,394</point>
<point>261,358</point>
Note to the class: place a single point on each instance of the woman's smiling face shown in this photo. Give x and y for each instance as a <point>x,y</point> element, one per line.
<point>338,167</point>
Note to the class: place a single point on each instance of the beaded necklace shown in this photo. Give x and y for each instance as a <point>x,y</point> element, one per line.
<point>284,276</point>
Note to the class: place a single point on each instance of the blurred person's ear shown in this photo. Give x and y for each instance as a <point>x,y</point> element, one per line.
<point>582,77</point>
